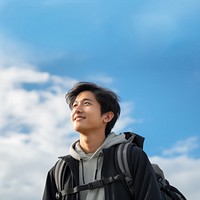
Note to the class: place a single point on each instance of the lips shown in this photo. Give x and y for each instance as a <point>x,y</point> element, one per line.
<point>77,118</point>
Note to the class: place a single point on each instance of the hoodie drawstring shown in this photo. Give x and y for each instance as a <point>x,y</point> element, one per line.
<point>82,171</point>
<point>96,171</point>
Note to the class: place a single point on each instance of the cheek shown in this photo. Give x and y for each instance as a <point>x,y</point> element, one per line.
<point>71,117</point>
<point>96,117</point>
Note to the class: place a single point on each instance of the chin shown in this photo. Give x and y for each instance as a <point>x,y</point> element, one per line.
<point>78,129</point>
<point>81,130</point>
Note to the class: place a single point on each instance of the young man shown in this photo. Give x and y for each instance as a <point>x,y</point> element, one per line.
<point>94,111</point>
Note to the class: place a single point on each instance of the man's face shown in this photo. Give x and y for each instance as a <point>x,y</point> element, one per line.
<point>86,114</point>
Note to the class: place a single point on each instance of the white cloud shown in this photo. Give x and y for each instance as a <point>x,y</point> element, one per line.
<point>181,170</point>
<point>182,147</point>
<point>34,129</point>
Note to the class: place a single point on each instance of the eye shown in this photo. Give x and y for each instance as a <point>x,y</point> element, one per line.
<point>74,105</point>
<point>86,103</point>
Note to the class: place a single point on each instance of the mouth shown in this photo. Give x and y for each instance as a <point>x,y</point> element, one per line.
<point>78,118</point>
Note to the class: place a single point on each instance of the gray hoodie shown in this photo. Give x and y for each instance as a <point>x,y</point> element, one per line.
<point>90,165</point>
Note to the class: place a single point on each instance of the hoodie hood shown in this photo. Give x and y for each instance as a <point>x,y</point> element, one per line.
<point>112,139</point>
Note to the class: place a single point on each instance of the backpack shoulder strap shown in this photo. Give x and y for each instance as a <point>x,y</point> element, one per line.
<point>122,156</point>
<point>122,149</point>
<point>122,160</point>
<point>58,171</point>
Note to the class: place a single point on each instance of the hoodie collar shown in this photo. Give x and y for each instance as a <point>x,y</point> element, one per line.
<point>112,139</point>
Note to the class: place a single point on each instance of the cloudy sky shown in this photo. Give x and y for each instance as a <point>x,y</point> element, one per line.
<point>146,51</point>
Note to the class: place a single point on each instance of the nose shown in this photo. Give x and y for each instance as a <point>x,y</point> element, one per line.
<point>78,108</point>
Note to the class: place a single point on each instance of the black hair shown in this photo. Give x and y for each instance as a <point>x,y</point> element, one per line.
<point>108,100</point>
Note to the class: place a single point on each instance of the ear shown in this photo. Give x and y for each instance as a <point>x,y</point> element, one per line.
<point>108,116</point>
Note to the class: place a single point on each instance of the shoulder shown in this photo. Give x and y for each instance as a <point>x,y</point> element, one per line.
<point>65,166</point>
<point>130,148</point>
<point>134,154</point>
<point>66,160</point>
<point>63,161</point>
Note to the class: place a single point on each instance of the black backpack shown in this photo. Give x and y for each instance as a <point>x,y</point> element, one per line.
<point>168,191</point>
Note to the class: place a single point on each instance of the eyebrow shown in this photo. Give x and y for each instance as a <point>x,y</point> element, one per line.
<point>82,100</point>
<point>85,99</point>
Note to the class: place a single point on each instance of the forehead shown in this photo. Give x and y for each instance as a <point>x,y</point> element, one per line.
<point>86,95</point>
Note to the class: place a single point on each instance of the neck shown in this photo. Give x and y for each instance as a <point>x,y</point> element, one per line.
<point>90,143</point>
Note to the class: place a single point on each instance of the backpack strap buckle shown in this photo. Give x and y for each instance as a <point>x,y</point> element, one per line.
<point>58,195</point>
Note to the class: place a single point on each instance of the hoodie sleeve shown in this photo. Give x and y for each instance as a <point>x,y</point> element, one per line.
<point>50,187</point>
<point>145,183</point>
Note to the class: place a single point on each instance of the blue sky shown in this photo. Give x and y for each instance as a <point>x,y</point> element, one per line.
<point>146,51</point>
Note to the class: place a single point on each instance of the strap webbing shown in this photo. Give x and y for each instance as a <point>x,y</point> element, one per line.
<point>58,173</point>
<point>122,158</point>
<point>90,186</point>
<point>123,164</point>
